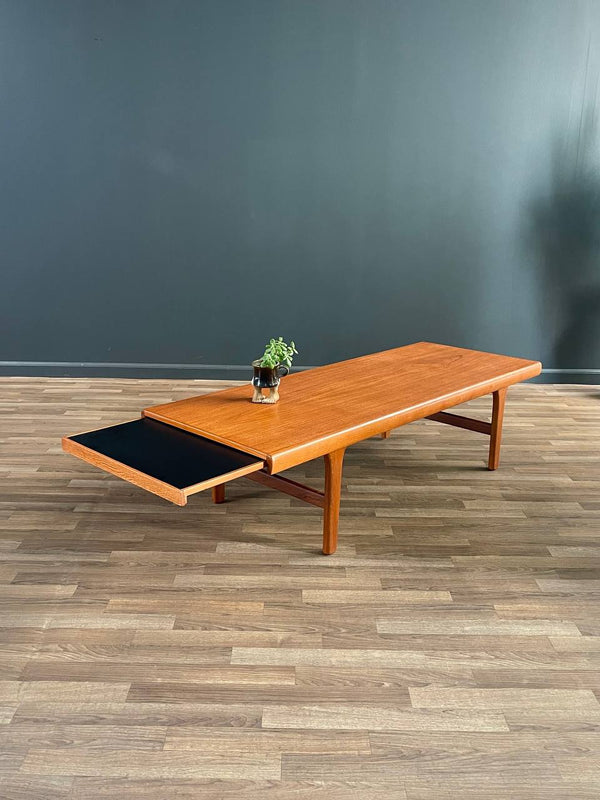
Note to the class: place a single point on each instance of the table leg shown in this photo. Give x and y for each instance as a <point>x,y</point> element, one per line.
<point>333,491</point>
<point>498,399</point>
<point>218,493</point>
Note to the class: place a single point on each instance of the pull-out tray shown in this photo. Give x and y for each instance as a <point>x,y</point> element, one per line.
<point>164,460</point>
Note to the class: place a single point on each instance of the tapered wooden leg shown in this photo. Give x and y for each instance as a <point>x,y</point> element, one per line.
<point>218,493</point>
<point>333,492</point>
<point>385,435</point>
<point>498,399</point>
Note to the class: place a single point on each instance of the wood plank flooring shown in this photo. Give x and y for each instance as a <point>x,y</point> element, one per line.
<point>449,649</point>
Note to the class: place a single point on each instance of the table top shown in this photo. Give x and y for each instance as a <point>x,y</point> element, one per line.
<point>330,407</point>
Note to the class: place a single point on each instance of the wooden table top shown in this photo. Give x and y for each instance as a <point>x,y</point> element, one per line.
<point>336,405</point>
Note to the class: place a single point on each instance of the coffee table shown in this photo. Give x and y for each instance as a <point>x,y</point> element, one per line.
<point>177,449</point>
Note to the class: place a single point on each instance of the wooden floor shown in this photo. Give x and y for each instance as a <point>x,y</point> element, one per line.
<point>449,649</point>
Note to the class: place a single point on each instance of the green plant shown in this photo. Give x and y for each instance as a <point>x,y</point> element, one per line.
<point>278,352</point>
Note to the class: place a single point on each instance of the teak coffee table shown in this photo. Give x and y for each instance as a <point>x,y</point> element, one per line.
<point>181,448</point>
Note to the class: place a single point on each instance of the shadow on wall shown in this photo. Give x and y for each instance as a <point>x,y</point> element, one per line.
<point>565,233</point>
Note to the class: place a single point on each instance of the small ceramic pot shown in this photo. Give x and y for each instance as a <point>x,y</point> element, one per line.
<point>267,378</point>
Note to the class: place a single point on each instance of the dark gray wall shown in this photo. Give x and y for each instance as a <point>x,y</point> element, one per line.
<point>182,179</point>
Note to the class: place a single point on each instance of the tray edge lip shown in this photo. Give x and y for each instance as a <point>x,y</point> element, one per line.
<point>141,479</point>
<point>120,470</point>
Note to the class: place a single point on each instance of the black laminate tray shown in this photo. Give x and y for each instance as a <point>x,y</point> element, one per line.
<point>164,460</point>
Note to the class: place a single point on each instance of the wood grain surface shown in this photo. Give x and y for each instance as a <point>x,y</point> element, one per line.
<point>328,408</point>
<point>448,649</point>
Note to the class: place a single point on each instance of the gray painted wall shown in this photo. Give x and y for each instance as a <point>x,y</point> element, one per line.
<point>180,180</point>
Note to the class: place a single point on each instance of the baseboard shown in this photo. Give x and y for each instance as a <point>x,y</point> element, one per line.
<point>107,369</point>
<point>572,371</point>
<point>589,377</point>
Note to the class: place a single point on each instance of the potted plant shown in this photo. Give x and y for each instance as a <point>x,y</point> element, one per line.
<point>273,365</point>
